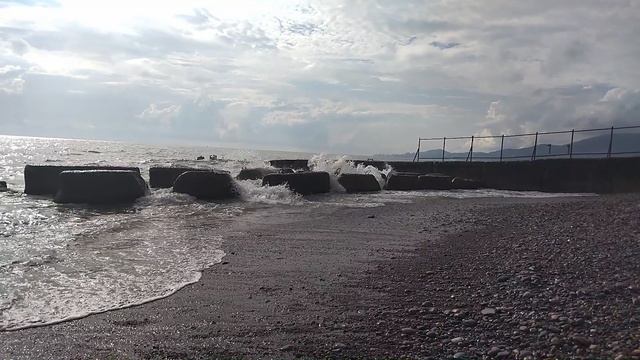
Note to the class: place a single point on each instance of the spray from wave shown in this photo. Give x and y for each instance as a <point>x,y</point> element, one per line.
<point>253,191</point>
<point>342,165</point>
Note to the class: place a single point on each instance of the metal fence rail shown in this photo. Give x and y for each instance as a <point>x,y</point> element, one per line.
<point>534,153</point>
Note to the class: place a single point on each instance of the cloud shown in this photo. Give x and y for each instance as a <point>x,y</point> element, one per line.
<point>161,113</point>
<point>12,86</point>
<point>352,76</point>
<point>563,109</point>
<point>443,45</point>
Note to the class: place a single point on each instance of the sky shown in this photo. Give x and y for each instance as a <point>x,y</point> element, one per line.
<point>336,76</point>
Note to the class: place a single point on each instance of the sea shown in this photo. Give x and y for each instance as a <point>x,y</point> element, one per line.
<point>61,262</point>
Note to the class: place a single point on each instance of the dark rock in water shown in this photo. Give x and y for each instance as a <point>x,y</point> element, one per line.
<point>43,179</point>
<point>298,164</point>
<point>200,157</point>
<point>303,182</point>
<point>100,187</point>
<point>354,183</point>
<point>402,181</point>
<point>164,177</point>
<point>212,185</point>
<point>435,182</point>
<point>255,173</point>
<point>467,184</point>
<point>3,186</point>
<point>287,171</point>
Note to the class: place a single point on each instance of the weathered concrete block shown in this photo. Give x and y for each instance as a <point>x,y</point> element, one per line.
<point>212,185</point>
<point>164,177</point>
<point>466,184</point>
<point>402,181</point>
<point>256,173</point>
<point>435,182</point>
<point>354,183</point>
<point>297,164</point>
<point>44,179</point>
<point>100,186</point>
<point>303,182</point>
<point>552,175</point>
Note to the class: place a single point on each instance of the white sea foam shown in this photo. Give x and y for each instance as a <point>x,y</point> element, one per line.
<point>100,261</point>
<point>253,191</point>
<point>343,165</point>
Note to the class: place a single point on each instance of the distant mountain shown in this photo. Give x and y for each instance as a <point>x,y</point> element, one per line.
<point>591,147</point>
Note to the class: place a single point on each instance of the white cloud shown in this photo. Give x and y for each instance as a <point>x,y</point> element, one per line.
<point>160,113</point>
<point>254,71</point>
<point>13,86</point>
<point>8,69</point>
<point>285,118</point>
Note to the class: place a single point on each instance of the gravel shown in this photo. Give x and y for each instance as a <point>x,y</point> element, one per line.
<point>531,281</point>
<point>562,277</point>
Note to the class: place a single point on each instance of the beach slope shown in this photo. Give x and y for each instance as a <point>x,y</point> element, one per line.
<point>436,278</point>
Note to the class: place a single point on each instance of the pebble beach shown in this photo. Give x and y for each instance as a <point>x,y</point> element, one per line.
<point>436,278</point>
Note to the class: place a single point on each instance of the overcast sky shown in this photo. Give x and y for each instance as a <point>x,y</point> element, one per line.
<point>357,77</point>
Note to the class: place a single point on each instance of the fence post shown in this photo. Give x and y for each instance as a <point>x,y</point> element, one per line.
<point>535,147</point>
<point>418,153</point>
<point>444,143</point>
<point>471,150</point>
<point>501,147</point>
<point>571,146</point>
<point>610,143</point>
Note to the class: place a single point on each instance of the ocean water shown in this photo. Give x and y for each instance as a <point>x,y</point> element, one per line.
<point>59,262</point>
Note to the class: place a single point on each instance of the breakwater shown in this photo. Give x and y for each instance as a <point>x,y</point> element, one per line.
<point>613,175</point>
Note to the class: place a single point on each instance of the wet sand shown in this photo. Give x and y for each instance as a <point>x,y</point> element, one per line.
<point>438,278</point>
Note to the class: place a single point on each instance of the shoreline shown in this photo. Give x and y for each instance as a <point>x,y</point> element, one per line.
<point>340,282</point>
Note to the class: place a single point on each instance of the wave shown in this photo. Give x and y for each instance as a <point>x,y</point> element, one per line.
<point>343,165</point>
<point>253,191</point>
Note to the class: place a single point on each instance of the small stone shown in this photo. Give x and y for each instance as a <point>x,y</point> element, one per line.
<point>287,348</point>
<point>459,355</point>
<point>503,355</point>
<point>408,330</point>
<point>494,350</point>
<point>555,340</point>
<point>469,322</point>
<point>581,341</point>
<point>371,216</point>
<point>339,346</point>
<point>488,311</point>
<point>457,340</point>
